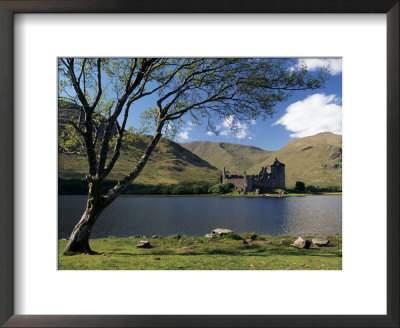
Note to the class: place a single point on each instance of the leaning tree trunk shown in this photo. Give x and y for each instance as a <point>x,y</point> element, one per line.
<point>79,240</point>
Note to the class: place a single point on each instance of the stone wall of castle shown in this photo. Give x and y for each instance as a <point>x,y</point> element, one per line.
<point>270,177</point>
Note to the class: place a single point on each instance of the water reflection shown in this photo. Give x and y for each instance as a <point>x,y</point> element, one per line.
<point>196,216</point>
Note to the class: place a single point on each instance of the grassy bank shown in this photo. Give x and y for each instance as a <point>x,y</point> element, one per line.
<point>200,253</point>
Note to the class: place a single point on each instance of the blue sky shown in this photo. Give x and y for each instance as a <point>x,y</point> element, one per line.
<point>304,113</point>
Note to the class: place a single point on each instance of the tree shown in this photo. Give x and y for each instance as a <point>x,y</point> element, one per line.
<point>105,89</point>
<point>300,186</point>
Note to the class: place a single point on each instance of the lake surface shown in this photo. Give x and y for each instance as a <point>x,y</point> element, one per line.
<point>196,216</point>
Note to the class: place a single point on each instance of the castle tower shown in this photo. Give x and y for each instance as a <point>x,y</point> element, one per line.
<point>223,176</point>
<point>278,174</point>
<point>245,189</point>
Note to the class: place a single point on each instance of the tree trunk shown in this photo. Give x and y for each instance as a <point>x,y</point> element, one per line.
<point>79,240</point>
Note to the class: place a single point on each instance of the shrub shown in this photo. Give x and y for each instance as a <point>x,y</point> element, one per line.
<point>216,189</point>
<point>300,186</point>
<point>227,187</point>
<point>312,188</point>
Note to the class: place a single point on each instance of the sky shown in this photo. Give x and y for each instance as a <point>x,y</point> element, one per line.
<point>305,113</point>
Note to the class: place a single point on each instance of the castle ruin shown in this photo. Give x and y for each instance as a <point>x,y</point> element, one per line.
<point>270,177</point>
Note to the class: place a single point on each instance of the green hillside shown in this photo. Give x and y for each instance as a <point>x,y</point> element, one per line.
<point>236,158</point>
<point>169,163</point>
<point>315,160</point>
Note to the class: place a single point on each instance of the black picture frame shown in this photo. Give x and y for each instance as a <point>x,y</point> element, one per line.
<point>10,7</point>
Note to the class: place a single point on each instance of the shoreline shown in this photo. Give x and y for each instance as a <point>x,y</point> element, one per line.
<point>229,195</point>
<point>309,236</point>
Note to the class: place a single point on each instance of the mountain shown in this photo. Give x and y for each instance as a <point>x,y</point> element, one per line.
<point>170,163</point>
<point>315,160</point>
<point>235,157</point>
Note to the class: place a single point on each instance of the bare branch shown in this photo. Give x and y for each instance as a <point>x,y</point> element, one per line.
<point>124,183</point>
<point>100,91</point>
<point>118,108</point>
<point>82,70</point>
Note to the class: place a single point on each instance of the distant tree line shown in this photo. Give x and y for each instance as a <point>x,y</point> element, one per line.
<point>80,187</point>
<point>301,187</point>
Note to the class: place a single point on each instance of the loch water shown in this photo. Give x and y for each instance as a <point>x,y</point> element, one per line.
<point>196,216</point>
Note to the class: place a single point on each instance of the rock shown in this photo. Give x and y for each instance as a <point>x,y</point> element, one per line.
<point>301,243</point>
<point>245,241</point>
<point>155,236</point>
<point>135,236</point>
<point>143,244</point>
<point>221,232</point>
<point>284,241</point>
<point>320,242</point>
<point>208,235</point>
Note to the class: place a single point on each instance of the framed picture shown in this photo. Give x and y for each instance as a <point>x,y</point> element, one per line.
<point>41,55</point>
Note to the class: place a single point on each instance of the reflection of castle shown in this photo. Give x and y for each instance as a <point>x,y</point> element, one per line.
<point>270,177</point>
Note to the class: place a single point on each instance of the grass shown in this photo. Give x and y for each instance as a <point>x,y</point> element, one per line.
<point>201,253</point>
<point>170,163</point>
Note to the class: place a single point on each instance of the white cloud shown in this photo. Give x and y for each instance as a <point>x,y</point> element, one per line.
<point>313,64</point>
<point>209,133</point>
<point>253,122</point>
<point>317,113</point>
<point>225,133</point>
<point>184,134</point>
<point>230,127</point>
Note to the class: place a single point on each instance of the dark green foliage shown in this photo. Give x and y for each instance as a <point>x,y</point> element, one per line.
<point>216,189</point>
<point>80,187</point>
<point>300,186</point>
<point>312,188</point>
<point>221,188</point>
<point>227,187</point>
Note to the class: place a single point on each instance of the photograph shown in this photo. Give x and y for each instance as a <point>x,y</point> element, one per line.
<point>199,163</point>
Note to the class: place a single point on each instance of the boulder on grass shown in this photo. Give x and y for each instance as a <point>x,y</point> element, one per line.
<point>143,244</point>
<point>155,236</point>
<point>221,232</point>
<point>208,235</point>
<point>320,242</point>
<point>301,243</point>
